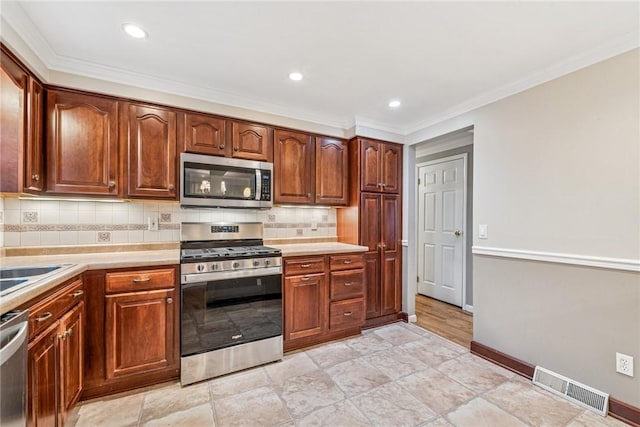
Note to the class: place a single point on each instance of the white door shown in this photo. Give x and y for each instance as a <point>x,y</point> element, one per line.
<point>441,219</point>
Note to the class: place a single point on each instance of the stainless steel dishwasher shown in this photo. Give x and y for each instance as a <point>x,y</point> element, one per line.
<point>13,368</point>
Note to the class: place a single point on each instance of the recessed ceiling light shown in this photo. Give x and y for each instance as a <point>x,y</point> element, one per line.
<point>295,76</point>
<point>394,103</point>
<point>134,31</point>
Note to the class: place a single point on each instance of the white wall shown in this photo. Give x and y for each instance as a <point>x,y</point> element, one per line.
<point>557,170</point>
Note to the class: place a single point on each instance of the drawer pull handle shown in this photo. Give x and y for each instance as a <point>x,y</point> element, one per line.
<point>305,265</point>
<point>169,300</point>
<point>44,317</point>
<point>346,261</point>
<point>141,279</point>
<point>236,337</point>
<point>305,278</point>
<point>77,293</point>
<point>348,284</point>
<point>347,313</point>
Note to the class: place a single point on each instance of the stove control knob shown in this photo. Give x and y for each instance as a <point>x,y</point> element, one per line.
<point>256,263</point>
<point>236,264</point>
<point>200,268</point>
<point>214,266</point>
<point>267,262</point>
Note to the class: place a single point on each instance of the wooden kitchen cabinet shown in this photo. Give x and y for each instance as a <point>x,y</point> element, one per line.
<point>149,138</point>
<point>55,355</point>
<point>21,110</point>
<point>331,171</point>
<point>304,305</point>
<point>82,144</point>
<point>252,142</point>
<point>380,170</point>
<point>133,329</point>
<point>293,168</point>
<point>205,134</point>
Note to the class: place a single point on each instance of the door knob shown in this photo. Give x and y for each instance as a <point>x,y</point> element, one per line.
<point>35,177</point>
<point>458,233</point>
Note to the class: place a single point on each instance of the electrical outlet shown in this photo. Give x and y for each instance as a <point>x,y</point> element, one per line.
<point>314,224</point>
<point>153,223</point>
<point>624,364</point>
<point>483,231</point>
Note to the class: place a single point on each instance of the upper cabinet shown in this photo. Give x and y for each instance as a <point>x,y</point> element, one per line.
<point>292,167</point>
<point>332,171</point>
<point>252,142</point>
<point>204,134</point>
<point>21,98</point>
<point>82,144</point>
<point>149,138</point>
<point>381,163</point>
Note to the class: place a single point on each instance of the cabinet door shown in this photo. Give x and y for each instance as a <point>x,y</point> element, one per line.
<point>13,97</point>
<point>34,164</point>
<point>205,135</point>
<point>332,171</point>
<point>370,179</point>
<point>390,268</point>
<point>391,167</point>
<point>293,172</point>
<point>139,332</point>
<point>305,299</point>
<point>71,350</point>
<point>151,135</point>
<point>372,284</point>
<point>42,403</point>
<point>370,206</point>
<point>252,142</point>
<point>82,144</point>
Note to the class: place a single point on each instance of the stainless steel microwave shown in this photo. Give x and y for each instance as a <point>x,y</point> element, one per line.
<point>220,182</point>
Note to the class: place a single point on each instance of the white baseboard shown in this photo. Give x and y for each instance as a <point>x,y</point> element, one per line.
<point>413,318</point>
<point>468,308</point>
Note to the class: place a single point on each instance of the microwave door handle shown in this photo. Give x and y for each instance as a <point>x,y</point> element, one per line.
<point>258,184</point>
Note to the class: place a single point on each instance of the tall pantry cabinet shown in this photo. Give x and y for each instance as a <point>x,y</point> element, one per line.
<point>374,219</point>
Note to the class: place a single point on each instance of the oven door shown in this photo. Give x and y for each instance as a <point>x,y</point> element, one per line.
<point>234,308</point>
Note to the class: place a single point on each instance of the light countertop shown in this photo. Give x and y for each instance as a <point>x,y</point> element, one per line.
<point>297,249</point>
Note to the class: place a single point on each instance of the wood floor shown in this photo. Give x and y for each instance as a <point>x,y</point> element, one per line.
<point>444,319</point>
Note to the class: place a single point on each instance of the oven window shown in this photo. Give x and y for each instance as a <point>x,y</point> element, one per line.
<point>222,313</point>
<point>219,182</point>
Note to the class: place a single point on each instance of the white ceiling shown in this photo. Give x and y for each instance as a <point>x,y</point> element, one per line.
<point>438,58</point>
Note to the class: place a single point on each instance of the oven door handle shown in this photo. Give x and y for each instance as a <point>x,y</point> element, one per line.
<point>223,275</point>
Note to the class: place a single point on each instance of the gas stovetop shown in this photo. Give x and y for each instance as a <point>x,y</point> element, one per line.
<point>228,252</point>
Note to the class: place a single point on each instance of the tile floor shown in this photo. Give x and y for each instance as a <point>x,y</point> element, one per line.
<point>396,375</point>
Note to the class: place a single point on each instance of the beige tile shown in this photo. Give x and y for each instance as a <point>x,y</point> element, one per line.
<point>429,351</point>
<point>238,383</point>
<point>390,405</point>
<point>306,393</point>
<point>440,422</point>
<point>340,414</point>
<point>396,335</point>
<point>480,413</point>
<point>120,412</point>
<point>476,376</point>
<point>436,390</point>
<point>368,343</point>
<point>395,363</point>
<point>331,354</point>
<point>291,365</point>
<point>201,416</point>
<point>162,402</point>
<point>356,376</point>
<point>258,407</point>
<point>541,408</point>
<point>591,419</point>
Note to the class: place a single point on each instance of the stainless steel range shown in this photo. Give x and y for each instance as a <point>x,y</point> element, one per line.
<point>231,305</point>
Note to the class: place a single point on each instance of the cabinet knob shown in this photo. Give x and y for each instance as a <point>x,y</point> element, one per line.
<point>221,146</point>
<point>308,195</point>
<point>35,177</point>
<point>169,300</point>
<point>112,185</point>
<point>236,149</point>
<point>380,184</point>
<point>171,187</point>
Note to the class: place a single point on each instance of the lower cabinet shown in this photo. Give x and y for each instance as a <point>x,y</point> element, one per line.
<point>55,355</point>
<point>133,339</point>
<point>323,298</point>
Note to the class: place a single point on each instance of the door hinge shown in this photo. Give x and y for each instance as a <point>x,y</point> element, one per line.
<point>418,181</point>
<point>418,279</point>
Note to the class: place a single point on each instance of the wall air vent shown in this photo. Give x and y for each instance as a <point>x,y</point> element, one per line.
<point>574,391</point>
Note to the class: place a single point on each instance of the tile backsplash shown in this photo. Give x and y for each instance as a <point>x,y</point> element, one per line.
<point>34,222</point>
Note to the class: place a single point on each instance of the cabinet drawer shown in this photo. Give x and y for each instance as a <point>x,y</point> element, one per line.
<point>51,309</point>
<point>346,262</point>
<point>303,266</point>
<point>347,284</point>
<point>141,280</point>
<point>346,314</point>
